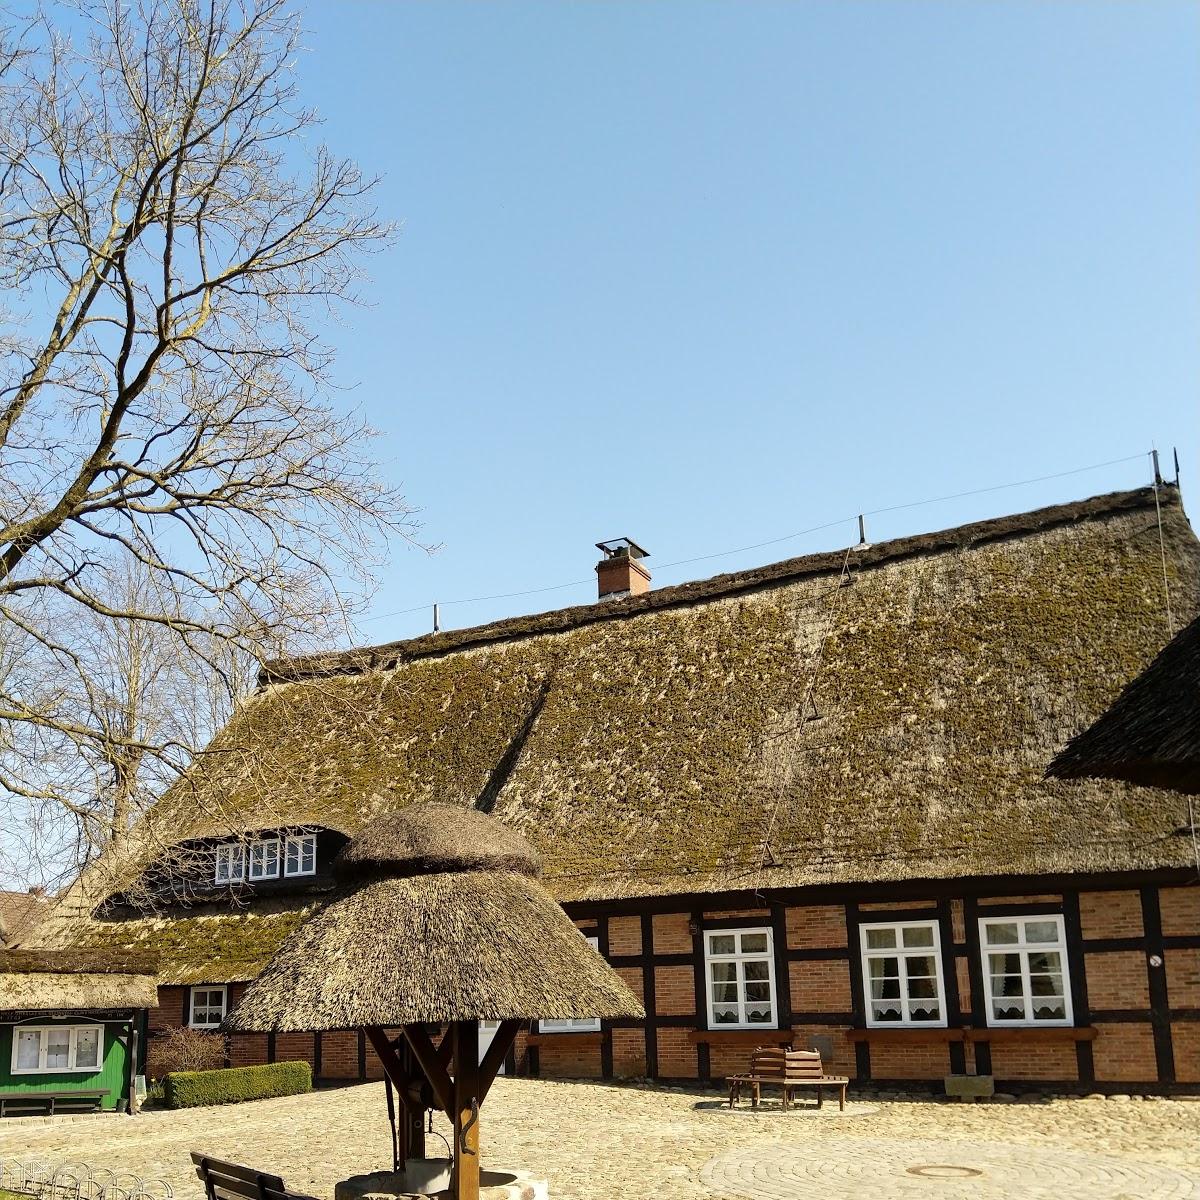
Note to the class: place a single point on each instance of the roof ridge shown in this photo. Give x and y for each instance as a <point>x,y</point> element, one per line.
<point>357,660</point>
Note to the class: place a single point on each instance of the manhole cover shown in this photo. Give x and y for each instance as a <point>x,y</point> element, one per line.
<point>850,1168</point>
<point>943,1171</point>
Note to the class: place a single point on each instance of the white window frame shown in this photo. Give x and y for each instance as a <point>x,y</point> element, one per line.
<point>740,958</point>
<point>207,987</point>
<point>573,1024</point>
<point>1024,949</point>
<point>230,853</point>
<point>903,954</point>
<point>261,847</point>
<point>72,1053</point>
<point>302,841</point>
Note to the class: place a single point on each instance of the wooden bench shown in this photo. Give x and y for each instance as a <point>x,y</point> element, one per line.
<point>229,1181</point>
<point>786,1070</point>
<point>26,1104</point>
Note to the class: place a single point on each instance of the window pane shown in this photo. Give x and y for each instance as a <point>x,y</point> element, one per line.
<point>1041,931</point>
<point>884,967</point>
<point>921,935</point>
<point>920,964</point>
<point>725,1014</point>
<point>881,939</point>
<point>757,969</point>
<point>1004,964</point>
<point>58,1048</point>
<point>885,989</point>
<point>1046,985</point>
<point>886,1012</point>
<point>1044,960</point>
<point>922,989</point>
<point>1007,985</point>
<point>924,1011</point>
<point>1003,934</point>
<point>759,1014</point>
<point>29,1045</point>
<point>87,1048</point>
<point>723,972</point>
<point>758,991</point>
<point>754,943</point>
<point>722,943</point>
<point>725,992</point>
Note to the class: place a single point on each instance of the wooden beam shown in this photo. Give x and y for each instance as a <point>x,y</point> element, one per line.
<point>412,1133</point>
<point>464,1182</point>
<point>435,1072</point>
<point>493,1060</point>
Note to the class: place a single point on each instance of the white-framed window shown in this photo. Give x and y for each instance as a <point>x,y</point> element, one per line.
<point>56,1049</point>
<point>574,1024</point>
<point>902,973</point>
<point>208,1006</point>
<point>300,855</point>
<point>230,863</point>
<point>1025,970</point>
<point>264,859</point>
<point>739,973</point>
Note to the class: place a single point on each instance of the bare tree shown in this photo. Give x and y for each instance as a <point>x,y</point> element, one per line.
<point>170,240</point>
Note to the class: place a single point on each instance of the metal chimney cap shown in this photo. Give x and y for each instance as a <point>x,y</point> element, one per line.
<point>622,547</point>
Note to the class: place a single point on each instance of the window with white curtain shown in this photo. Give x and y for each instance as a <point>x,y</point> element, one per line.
<point>902,973</point>
<point>56,1049</point>
<point>1025,970</point>
<point>739,970</point>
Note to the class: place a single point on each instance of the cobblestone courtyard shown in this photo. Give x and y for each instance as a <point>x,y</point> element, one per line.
<point>596,1142</point>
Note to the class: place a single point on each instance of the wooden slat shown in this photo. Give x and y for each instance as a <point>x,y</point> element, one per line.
<point>237,1171</point>
<point>435,1072</point>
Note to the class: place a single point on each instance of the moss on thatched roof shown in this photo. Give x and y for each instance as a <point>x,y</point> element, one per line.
<point>98,961</point>
<point>19,913</point>
<point>49,980</point>
<point>894,728</point>
<point>1151,733</point>
<point>208,945</point>
<point>476,945</point>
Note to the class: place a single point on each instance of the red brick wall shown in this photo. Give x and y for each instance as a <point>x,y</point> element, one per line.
<point>1185,1037</point>
<point>1034,1060</point>
<point>629,1053</point>
<point>899,1061</point>
<point>339,1055</point>
<point>822,986</point>
<point>671,934</point>
<point>1124,1053</point>
<point>1117,979</point>
<point>294,1047</point>
<point>1110,914</point>
<point>1180,911</point>
<point>624,935</point>
<point>1183,977</point>
<point>676,1054</point>
<point>247,1049</point>
<point>675,991</point>
<point>818,926</point>
<point>571,1056</point>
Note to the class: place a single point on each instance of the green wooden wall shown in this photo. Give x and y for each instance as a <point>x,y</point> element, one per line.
<point>112,1073</point>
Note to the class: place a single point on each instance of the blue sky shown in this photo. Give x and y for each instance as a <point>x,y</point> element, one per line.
<point>707,274</point>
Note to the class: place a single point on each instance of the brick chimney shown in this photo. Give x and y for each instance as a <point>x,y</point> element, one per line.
<point>620,572</point>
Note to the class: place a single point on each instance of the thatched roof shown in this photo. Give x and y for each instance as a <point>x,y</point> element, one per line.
<point>48,981</point>
<point>485,945</point>
<point>19,913</point>
<point>894,728</point>
<point>1151,733</point>
<point>423,838</point>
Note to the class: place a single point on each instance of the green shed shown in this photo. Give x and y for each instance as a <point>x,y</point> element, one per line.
<point>71,1027</point>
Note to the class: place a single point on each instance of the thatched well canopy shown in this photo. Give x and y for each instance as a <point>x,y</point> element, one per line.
<point>50,981</point>
<point>443,919</point>
<point>1151,732</point>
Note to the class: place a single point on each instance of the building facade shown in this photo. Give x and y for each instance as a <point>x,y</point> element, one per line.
<point>798,805</point>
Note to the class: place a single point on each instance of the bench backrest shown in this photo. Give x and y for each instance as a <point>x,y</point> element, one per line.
<point>774,1062</point>
<point>230,1181</point>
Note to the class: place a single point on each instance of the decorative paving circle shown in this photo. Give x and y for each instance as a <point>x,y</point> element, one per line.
<point>842,1168</point>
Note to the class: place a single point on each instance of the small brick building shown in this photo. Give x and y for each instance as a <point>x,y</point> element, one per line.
<point>801,804</point>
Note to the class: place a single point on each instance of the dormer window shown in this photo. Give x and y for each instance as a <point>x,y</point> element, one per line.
<point>301,855</point>
<point>264,859</point>
<point>231,863</point>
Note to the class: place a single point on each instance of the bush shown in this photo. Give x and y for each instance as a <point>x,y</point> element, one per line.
<point>182,1049</point>
<point>190,1089</point>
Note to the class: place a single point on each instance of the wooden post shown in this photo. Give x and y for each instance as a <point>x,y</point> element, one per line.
<point>400,1068</point>
<point>464,1184</point>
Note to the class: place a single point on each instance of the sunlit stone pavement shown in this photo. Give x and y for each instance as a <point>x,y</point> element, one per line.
<point>596,1142</point>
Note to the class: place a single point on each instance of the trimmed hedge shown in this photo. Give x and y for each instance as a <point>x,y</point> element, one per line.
<point>190,1089</point>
